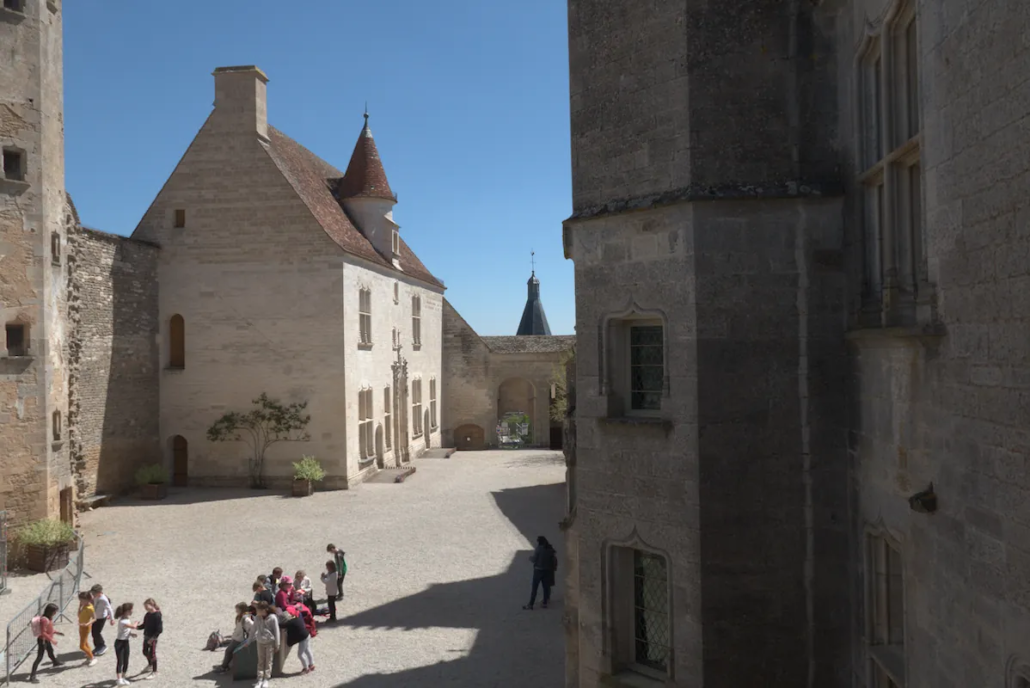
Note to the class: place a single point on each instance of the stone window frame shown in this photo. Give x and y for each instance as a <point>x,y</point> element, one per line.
<point>895,280</point>
<point>55,426</point>
<point>883,656</point>
<point>387,417</point>
<point>614,359</point>
<point>416,322</point>
<point>23,164</point>
<point>26,334</point>
<point>366,425</point>
<point>432,404</point>
<point>364,318</point>
<point>416,408</point>
<point>1017,672</point>
<point>619,612</point>
<point>176,342</point>
<point>55,248</point>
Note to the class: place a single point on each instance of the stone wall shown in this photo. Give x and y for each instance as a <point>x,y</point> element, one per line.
<point>468,397</point>
<point>113,416</point>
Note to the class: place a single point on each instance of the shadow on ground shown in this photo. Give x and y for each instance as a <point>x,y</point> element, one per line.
<point>509,648</point>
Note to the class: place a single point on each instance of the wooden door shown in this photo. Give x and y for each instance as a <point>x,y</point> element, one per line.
<point>180,461</point>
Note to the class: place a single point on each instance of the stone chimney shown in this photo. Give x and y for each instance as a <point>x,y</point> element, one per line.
<point>241,100</point>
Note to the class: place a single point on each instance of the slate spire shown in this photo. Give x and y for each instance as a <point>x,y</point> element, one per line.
<point>365,176</point>
<point>534,321</point>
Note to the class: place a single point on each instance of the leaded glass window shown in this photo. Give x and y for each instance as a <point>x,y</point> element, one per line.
<point>646,367</point>
<point>650,610</point>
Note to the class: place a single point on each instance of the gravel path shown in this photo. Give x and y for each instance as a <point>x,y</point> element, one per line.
<point>438,572</point>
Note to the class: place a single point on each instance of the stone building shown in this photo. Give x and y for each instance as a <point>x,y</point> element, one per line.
<point>800,237</point>
<point>258,268</point>
<point>486,379</point>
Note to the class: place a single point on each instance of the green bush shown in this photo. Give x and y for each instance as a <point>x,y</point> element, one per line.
<point>154,474</point>
<point>48,532</point>
<point>308,468</point>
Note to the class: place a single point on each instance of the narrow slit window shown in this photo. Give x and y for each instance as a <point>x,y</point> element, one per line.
<point>177,342</point>
<point>55,248</point>
<point>180,218</point>
<point>56,425</point>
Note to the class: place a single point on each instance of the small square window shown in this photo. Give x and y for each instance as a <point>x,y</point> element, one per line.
<point>17,339</point>
<point>14,164</point>
<point>180,218</point>
<point>55,248</point>
<point>15,5</point>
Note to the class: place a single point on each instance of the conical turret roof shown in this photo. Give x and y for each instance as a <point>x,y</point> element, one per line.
<point>365,176</point>
<point>534,321</point>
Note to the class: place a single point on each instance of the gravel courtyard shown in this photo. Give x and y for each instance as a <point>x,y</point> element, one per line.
<point>438,573</point>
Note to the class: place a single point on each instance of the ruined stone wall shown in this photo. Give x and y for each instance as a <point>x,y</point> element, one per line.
<point>114,411</point>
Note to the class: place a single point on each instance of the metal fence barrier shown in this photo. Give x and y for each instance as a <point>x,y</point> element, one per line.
<point>62,591</point>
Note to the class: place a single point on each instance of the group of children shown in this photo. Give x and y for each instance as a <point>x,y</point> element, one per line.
<point>284,606</point>
<point>95,612</point>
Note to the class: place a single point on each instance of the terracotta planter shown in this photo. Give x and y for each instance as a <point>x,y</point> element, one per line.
<point>43,558</point>
<point>303,488</point>
<point>154,491</point>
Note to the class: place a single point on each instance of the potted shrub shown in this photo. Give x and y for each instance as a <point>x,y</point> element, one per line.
<point>46,543</point>
<point>306,473</point>
<point>153,481</point>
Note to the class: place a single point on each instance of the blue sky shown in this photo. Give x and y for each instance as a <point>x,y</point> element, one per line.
<point>468,102</point>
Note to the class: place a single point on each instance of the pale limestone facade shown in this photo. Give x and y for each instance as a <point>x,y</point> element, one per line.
<point>270,301</point>
<point>822,208</point>
<point>35,219</point>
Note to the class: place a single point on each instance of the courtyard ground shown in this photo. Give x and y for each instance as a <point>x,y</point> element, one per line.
<point>438,571</point>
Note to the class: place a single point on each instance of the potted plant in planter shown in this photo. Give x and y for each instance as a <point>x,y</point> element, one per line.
<point>46,543</point>
<point>153,481</point>
<point>306,473</point>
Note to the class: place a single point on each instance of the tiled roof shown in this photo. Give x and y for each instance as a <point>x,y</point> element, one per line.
<point>365,175</point>
<point>313,179</point>
<point>530,344</point>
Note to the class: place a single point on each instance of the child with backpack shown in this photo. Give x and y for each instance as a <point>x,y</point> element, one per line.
<point>152,628</point>
<point>43,631</point>
<point>85,623</point>
<point>332,587</point>
<point>125,626</point>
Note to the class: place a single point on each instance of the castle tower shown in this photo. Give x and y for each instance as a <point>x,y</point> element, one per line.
<point>534,320</point>
<point>35,475</point>
<point>366,195</point>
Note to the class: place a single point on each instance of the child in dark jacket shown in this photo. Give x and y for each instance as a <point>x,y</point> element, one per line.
<point>152,628</point>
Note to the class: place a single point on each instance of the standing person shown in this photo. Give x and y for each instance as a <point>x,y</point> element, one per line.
<point>283,597</point>
<point>85,623</point>
<point>340,559</point>
<point>297,634</point>
<point>266,635</point>
<point>152,628</point>
<point>240,633</point>
<point>125,626</point>
<point>332,587</point>
<point>43,630</point>
<point>101,614</point>
<point>262,593</point>
<point>302,589</point>
<point>545,563</point>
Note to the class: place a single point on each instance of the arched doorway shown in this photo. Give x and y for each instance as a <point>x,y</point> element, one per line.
<point>516,406</point>
<point>425,428</point>
<point>180,461</point>
<point>469,437</point>
<point>380,451</point>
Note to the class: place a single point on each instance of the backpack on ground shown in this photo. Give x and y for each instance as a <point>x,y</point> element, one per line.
<point>214,641</point>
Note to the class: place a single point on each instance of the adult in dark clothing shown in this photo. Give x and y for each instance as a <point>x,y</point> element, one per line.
<point>545,563</point>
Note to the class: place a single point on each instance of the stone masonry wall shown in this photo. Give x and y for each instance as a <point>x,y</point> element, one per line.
<point>114,411</point>
<point>468,398</point>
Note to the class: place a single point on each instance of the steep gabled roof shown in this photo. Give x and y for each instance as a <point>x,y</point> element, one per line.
<point>314,179</point>
<point>365,176</point>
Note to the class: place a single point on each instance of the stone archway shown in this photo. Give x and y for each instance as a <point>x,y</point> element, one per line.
<point>517,395</point>
<point>180,461</point>
<point>469,437</point>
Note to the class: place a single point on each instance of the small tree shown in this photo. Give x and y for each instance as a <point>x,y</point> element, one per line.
<point>560,404</point>
<point>261,427</point>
